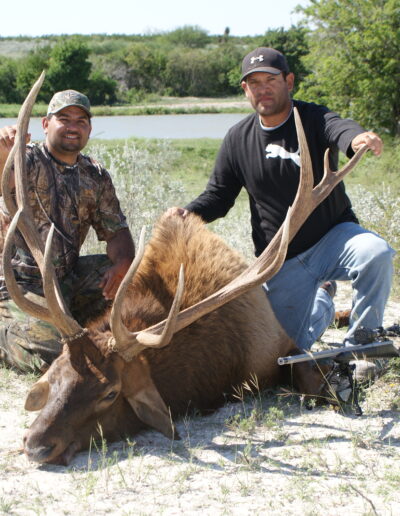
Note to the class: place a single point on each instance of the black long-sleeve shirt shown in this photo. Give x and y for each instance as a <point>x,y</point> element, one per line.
<point>266,164</point>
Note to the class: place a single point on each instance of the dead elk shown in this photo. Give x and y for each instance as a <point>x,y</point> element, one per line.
<point>146,363</point>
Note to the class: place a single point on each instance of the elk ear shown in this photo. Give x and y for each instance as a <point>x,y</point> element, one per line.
<point>38,394</point>
<point>144,398</point>
<point>151,409</point>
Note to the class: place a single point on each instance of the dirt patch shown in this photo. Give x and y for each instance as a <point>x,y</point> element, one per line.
<point>267,455</point>
<point>199,102</point>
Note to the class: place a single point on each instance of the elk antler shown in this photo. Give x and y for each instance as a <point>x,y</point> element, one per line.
<point>263,268</point>
<point>54,311</point>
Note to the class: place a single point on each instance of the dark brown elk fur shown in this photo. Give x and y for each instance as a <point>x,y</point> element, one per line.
<point>89,384</point>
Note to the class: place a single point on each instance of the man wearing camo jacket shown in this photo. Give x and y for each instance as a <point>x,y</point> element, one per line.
<point>74,192</point>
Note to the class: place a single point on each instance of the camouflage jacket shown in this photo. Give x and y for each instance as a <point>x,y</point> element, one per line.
<point>74,198</point>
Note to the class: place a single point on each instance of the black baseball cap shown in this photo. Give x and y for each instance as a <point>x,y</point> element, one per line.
<point>264,59</point>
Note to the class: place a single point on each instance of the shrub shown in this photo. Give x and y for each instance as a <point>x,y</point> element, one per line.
<point>379,211</point>
<point>143,185</point>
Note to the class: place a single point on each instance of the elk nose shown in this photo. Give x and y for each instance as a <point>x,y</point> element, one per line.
<point>39,453</point>
<point>36,452</point>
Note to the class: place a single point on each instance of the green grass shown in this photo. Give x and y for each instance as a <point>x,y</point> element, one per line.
<point>194,163</point>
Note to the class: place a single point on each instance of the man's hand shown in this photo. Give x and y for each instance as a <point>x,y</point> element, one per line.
<point>112,279</point>
<point>370,139</point>
<point>7,139</point>
<point>121,251</point>
<point>173,212</point>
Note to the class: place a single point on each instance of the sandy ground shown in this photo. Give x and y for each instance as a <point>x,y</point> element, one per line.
<point>267,455</point>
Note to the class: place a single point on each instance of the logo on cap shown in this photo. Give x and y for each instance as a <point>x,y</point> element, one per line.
<point>259,58</point>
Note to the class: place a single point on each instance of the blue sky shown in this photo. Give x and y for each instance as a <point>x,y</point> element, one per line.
<point>40,17</point>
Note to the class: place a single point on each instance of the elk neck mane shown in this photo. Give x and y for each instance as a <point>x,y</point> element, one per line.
<point>208,261</point>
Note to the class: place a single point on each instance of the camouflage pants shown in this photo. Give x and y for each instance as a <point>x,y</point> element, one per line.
<point>29,344</point>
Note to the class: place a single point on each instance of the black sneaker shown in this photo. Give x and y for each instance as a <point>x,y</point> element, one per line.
<point>368,370</point>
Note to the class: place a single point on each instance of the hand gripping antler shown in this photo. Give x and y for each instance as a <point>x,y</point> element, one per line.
<point>54,311</point>
<point>267,264</point>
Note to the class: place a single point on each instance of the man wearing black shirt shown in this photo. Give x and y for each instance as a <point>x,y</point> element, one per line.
<point>261,154</point>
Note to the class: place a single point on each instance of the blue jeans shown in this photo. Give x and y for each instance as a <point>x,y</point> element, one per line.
<point>347,252</point>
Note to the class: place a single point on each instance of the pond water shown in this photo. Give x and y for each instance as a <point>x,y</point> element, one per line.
<point>153,126</point>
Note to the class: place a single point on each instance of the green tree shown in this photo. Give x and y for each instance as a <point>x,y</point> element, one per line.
<point>293,43</point>
<point>202,72</point>
<point>102,90</point>
<point>191,36</point>
<point>146,64</point>
<point>8,81</point>
<point>354,58</point>
<point>69,66</point>
<point>28,70</point>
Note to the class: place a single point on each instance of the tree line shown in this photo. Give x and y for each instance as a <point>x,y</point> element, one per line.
<point>344,54</point>
<point>124,69</point>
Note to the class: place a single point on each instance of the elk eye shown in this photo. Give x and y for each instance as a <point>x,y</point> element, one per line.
<point>110,396</point>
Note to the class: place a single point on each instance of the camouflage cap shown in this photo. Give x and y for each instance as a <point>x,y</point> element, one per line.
<point>63,99</point>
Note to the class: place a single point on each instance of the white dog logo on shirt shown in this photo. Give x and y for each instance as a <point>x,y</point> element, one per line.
<point>276,151</point>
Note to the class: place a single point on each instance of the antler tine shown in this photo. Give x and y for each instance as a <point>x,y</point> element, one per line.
<point>25,224</point>
<point>5,183</point>
<point>128,345</point>
<point>14,290</point>
<point>26,227</point>
<point>17,153</point>
<point>332,177</point>
<point>149,339</point>
<point>270,261</point>
<point>119,330</point>
<point>328,182</point>
<point>35,309</point>
<point>60,314</point>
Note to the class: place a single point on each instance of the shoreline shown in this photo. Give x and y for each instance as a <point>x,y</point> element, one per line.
<point>167,106</point>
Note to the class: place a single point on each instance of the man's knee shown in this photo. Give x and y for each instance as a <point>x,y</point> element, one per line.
<point>381,262</point>
<point>374,252</point>
<point>30,349</point>
<point>382,251</point>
